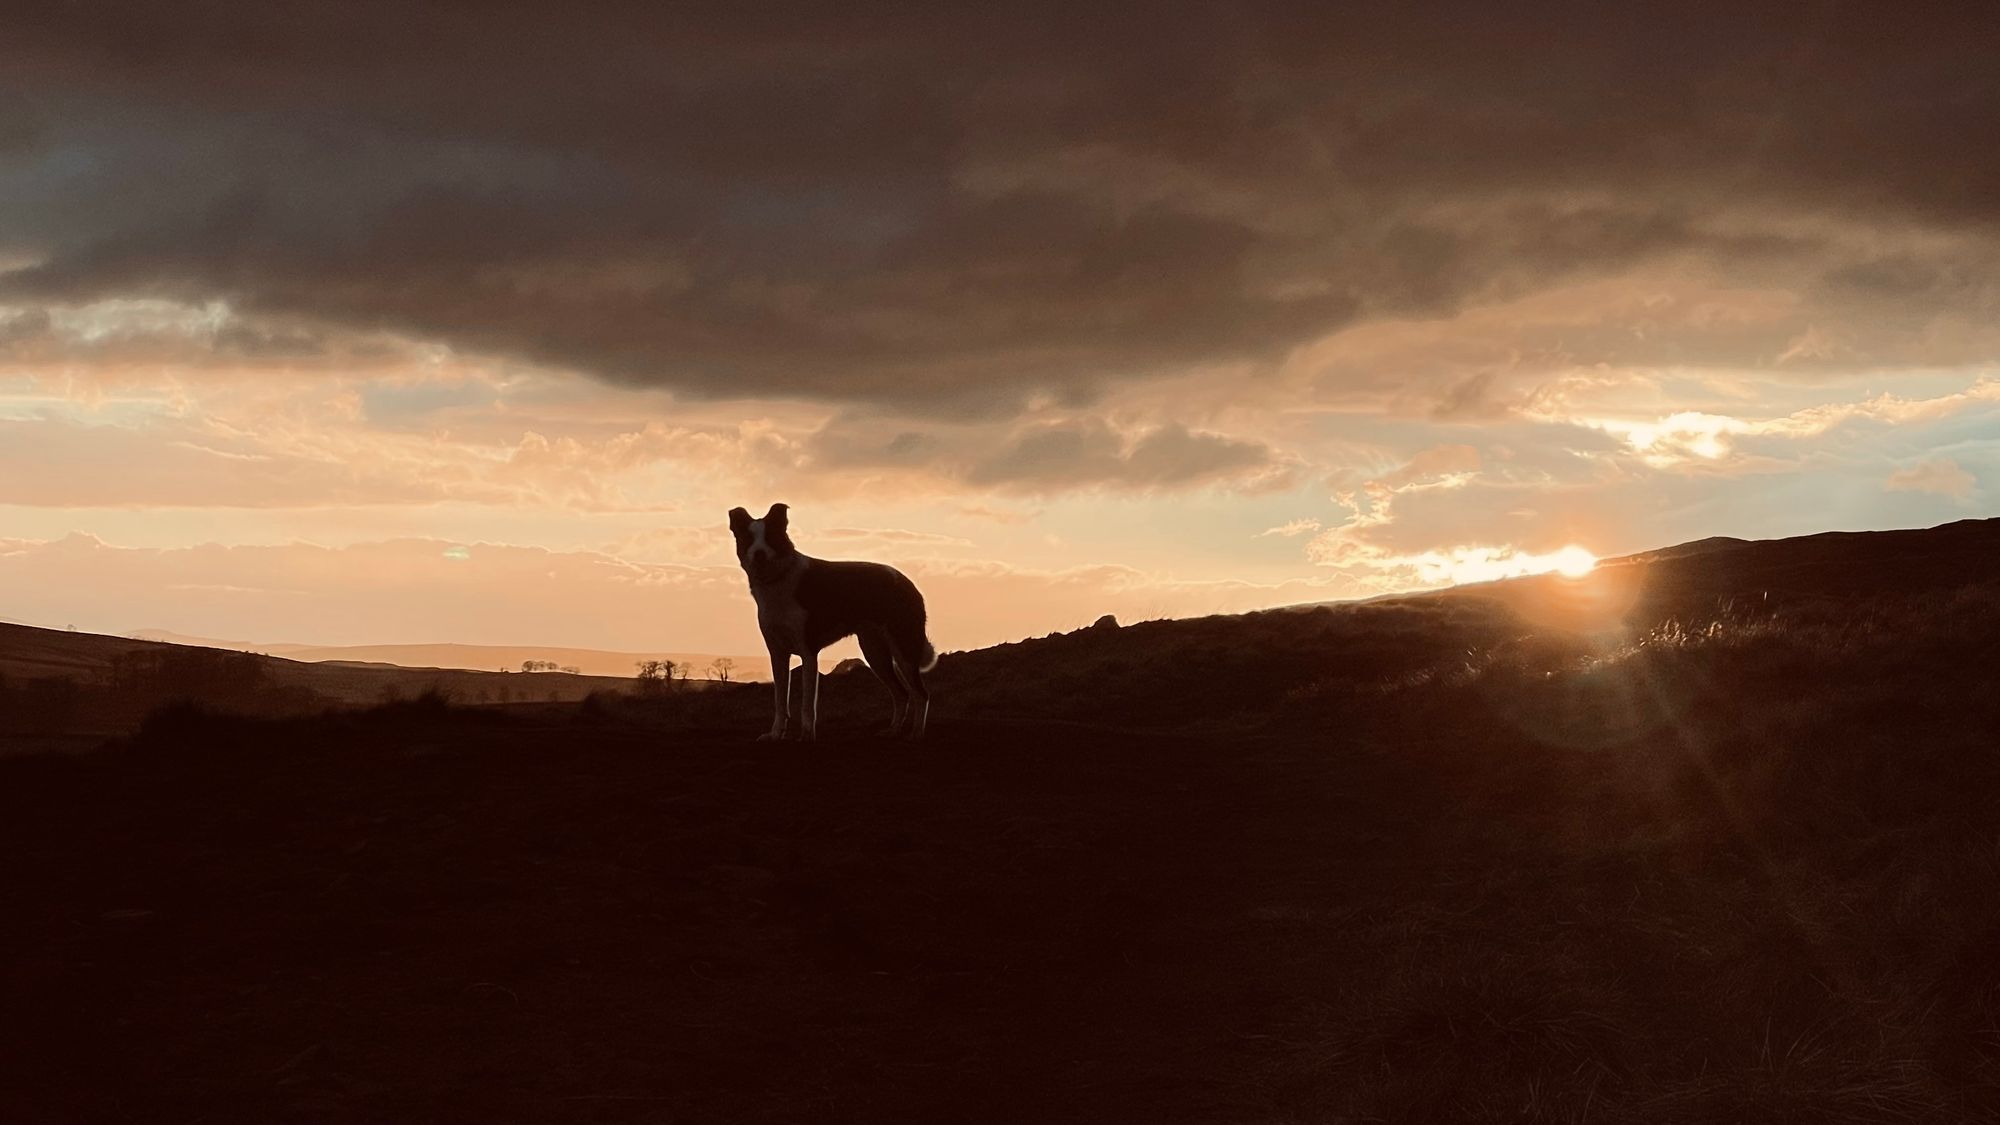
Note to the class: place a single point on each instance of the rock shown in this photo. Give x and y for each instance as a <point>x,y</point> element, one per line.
<point>1105,622</point>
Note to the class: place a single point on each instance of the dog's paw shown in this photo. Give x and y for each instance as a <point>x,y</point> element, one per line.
<point>772,736</point>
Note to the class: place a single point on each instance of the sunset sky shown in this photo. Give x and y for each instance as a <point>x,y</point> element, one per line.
<point>348,322</point>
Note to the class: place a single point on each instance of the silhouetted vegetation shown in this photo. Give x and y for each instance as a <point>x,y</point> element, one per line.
<point>43,705</point>
<point>658,676</point>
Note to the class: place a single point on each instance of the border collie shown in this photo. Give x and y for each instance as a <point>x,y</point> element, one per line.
<point>805,604</point>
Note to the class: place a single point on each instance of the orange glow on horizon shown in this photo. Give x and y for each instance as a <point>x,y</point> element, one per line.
<point>1463,566</point>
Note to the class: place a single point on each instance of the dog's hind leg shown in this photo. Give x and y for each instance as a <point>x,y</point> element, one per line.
<point>809,705</point>
<point>882,661</point>
<point>920,696</point>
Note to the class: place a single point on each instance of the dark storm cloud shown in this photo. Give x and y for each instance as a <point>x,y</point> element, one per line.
<point>1082,455</point>
<point>937,207</point>
<point>1053,457</point>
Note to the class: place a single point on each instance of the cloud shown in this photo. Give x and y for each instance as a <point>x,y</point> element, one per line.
<point>1692,437</point>
<point>1065,453</point>
<point>1291,529</point>
<point>121,334</point>
<point>958,211</point>
<point>1354,548</point>
<point>1441,466</point>
<point>1087,454</point>
<point>1003,516</point>
<point>183,463</point>
<point>891,536</point>
<point>1940,476</point>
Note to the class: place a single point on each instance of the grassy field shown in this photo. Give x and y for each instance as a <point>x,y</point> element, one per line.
<point>1707,837</point>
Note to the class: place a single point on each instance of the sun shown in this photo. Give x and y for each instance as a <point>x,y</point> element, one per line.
<point>1573,562</point>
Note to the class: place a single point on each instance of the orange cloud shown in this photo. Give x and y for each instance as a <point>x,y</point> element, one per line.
<point>1939,475</point>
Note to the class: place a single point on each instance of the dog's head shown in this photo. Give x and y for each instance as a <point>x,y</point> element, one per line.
<point>764,547</point>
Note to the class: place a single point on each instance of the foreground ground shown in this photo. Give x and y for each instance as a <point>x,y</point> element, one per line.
<point>1738,868</point>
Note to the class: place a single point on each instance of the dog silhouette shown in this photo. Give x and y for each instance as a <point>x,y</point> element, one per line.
<point>805,604</point>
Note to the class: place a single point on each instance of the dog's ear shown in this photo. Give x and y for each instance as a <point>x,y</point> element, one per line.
<point>779,516</point>
<point>738,520</point>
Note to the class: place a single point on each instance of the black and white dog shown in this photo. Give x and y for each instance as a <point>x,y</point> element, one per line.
<point>805,604</point>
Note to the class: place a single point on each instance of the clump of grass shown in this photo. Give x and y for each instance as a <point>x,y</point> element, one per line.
<point>432,703</point>
<point>175,722</point>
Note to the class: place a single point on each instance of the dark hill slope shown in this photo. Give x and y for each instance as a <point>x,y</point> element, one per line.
<point>1832,564</point>
<point>1252,668</point>
<point>83,685</point>
<point>26,651</point>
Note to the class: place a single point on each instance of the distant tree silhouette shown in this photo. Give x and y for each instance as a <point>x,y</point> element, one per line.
<point>721,668</point>
<point>656,676</point>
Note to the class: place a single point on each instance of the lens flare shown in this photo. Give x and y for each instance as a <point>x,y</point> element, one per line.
<point>1573,562</point>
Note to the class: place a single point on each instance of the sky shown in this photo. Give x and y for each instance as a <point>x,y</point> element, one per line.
<point>350,322</point>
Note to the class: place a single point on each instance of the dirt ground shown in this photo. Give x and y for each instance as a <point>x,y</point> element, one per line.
<point>490,921</point>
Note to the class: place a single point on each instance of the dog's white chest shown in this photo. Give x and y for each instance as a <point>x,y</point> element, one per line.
<point>780,617</point>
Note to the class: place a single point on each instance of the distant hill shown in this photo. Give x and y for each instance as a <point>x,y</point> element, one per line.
<point>84,684</point>
<point>1698,547</point>
<point>27,652</point>
<point>483,658</point>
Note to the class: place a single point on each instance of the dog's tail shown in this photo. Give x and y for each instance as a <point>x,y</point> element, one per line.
<point>914,645</point>
<point>911,636</point>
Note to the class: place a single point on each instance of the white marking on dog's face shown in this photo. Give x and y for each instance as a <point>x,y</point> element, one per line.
<point>763,546</point>
<point>757,551</point>
<point>762,549</point>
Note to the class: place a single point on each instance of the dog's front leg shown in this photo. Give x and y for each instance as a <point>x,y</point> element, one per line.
<point>781,686</point>
<point>808,730</point>
<point>794,723</point>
